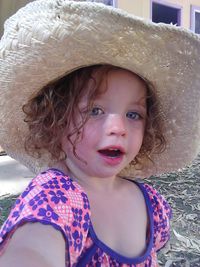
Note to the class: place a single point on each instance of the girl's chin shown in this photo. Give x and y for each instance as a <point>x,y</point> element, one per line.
<point>104,171</point>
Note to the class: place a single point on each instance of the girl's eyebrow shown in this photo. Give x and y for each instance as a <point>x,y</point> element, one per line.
<point>140,102</point>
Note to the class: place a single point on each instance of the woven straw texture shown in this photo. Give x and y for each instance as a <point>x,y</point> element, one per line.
<point>48,38</point>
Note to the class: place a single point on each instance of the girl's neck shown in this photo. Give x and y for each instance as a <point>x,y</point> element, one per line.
<point>95,184</point>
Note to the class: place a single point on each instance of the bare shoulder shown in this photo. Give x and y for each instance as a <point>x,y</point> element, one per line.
<point>35,244</point>
<point>134,197</point>
<point>132,188</point>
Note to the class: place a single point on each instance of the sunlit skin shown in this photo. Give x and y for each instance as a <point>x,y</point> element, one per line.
<point>116,120</point>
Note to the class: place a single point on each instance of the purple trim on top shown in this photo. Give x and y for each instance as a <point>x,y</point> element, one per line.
<point>193,10</point>
<point>115,3</point>
<point>166,3</point>
<point>98,243</point>
<point>119,257</point>
<point>56,170</point>
<point>87,256</point>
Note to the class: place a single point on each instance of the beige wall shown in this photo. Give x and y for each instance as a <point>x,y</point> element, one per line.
<point>137,7</point>
<point>142,8</point>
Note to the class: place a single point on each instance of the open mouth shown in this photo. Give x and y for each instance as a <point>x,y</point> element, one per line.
<point>112,153</point>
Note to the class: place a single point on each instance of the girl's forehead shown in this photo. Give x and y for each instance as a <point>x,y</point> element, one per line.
<point>115,74</point>
<point>123,80</point>
<point>102,81</point>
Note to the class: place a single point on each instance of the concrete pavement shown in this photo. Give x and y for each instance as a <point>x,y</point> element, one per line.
<point>14,177</point>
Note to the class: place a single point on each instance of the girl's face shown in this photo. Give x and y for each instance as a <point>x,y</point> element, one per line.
<point>113,134</point>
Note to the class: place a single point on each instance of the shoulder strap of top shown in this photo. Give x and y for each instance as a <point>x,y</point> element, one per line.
<point>162,214</point>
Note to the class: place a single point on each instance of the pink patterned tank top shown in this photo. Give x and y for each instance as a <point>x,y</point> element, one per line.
<point>52,198</point>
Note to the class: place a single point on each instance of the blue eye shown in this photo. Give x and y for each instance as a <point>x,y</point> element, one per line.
<point>96,111</point>
<point>133,115</point>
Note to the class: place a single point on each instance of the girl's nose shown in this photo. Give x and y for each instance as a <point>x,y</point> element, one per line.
<point>115,125</point>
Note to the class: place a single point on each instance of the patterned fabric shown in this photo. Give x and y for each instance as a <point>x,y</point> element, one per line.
<point>53,198</point>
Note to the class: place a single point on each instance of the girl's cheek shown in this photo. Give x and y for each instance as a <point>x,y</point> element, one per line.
<point>88,133</point>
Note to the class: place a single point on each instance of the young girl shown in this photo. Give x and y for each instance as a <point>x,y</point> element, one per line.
<point>93,108</point>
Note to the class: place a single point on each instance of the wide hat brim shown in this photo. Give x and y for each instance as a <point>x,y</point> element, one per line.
<point>48,38</point>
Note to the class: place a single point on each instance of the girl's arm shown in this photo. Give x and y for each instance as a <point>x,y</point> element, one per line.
<point>35,245</point>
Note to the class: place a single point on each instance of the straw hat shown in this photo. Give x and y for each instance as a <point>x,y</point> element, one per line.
<point>48,38</point>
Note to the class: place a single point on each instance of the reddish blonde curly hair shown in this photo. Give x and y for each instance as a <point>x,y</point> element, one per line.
<point>55,107</point>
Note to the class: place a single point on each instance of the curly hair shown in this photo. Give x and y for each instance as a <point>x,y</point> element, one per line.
<point>154,141</point>
<point>55,108</point>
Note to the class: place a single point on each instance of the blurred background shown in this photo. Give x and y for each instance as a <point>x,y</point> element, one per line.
<point>184,13</point>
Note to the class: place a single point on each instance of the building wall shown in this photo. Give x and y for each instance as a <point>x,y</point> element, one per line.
<point>137,7</point>
<point>143,8</point>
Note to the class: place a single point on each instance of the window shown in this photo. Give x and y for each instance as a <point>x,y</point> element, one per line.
<point>107,2</point>
<point>195,19</point>
<point>162,11</point>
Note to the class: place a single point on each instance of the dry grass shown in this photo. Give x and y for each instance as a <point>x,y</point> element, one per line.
<point>182,190</point>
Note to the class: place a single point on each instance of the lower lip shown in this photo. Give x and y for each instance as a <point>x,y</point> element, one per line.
<point>112,161</point>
